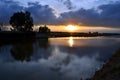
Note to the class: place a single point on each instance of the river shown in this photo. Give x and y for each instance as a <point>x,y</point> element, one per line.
<point>68,58</point>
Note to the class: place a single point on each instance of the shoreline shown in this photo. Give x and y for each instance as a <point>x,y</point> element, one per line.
<point>24,35</point>
<point>110,70</point>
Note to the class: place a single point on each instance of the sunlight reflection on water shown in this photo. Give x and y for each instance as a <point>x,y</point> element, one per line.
<point>71,42</point>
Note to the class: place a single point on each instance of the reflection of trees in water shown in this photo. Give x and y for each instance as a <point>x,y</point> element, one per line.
<point>43,43</point>
<point>22,51</point>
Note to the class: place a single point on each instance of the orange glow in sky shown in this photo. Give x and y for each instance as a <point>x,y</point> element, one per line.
<point>70,28</point>
<point>78,28</point>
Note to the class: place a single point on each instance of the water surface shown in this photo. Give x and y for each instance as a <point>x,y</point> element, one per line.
<point>67,58</point>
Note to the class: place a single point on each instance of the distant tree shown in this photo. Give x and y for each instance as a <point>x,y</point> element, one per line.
<point>44,29</point>
<point>21,21</point>
<point>1,26</point>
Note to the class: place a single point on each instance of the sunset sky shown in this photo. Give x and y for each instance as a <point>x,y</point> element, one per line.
<point>83,15</point>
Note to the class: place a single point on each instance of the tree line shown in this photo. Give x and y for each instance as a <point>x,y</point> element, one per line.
<point>23,22</point>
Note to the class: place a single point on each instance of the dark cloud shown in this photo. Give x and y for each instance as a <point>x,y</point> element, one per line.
<point>7,8</point>
<point>41,14</point>
<point>82,16</point>
<point>67,3</point>
<point>109,16</point>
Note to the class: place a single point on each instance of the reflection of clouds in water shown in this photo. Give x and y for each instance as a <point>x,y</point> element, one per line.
<point>59,65</point>
<point>71,66</point>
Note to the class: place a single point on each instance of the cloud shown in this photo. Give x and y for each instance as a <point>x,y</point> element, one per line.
<point>41,14</point>
<point>67,3</point>
<point>109,16</point>
<point>7,8</point>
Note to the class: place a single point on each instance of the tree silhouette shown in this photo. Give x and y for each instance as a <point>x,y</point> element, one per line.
<point>21,21</point>
<point>1,26</point>
<point>44,29</point>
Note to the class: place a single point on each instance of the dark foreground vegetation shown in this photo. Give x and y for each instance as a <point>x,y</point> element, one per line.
<point>111,70</point>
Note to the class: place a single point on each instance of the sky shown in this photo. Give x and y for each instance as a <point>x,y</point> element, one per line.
<point>87,15</point>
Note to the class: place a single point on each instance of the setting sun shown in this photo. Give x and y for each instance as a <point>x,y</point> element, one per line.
<point>71,28</point>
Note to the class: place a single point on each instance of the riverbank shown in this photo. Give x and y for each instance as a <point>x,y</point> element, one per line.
<point>8,35</point>
<point>111,70</point>
<point>19,35</point>
<point>16,35</point>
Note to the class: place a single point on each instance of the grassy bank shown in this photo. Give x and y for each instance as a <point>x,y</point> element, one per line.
<point>111,70</point>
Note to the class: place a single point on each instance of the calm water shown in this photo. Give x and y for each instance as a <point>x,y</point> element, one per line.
<point>56,58</point>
